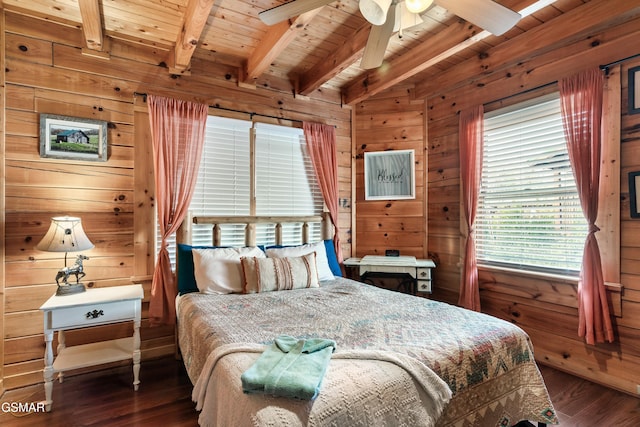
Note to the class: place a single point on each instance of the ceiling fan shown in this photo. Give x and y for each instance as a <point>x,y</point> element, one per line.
<point>390,16</point>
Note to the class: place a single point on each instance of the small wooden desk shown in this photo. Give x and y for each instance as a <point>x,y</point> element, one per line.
<point>418,271</point>
<point>94,307</point>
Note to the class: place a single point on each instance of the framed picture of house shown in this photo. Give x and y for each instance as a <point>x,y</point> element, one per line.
<point>73,138</point>
<point>634,194</point>
<point>389,175</point>
<point>634,90</point>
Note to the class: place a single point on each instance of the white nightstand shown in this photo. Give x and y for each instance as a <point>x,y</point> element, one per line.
<point>99,306</point>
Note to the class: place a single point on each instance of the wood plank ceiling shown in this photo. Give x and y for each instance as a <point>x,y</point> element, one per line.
<point>317,51</point>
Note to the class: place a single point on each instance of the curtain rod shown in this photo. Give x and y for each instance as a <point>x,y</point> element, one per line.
<point>251,114</point>
<point>504,98</point>
<point>605,67</point>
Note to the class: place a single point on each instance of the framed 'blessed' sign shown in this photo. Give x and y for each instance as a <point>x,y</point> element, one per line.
<point>389,175</point>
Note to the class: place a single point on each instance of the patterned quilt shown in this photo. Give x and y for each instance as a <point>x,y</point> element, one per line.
<point>486,362</point>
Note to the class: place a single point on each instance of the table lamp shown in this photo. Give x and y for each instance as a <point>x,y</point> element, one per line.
<point>66,235</point>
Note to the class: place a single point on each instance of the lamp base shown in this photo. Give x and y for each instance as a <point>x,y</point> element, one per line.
<point>70,289</point>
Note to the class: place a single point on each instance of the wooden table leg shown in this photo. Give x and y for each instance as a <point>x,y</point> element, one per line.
<point>136,354</point>
<point>48,370</point>
<point>62,343</point>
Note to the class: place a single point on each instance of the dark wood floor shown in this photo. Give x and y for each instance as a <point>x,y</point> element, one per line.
<point>585,404</point>
<point>106,398</point>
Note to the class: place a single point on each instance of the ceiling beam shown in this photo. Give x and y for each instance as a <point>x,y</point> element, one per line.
<point>195,18</point>
<point>442,45</point>
<point>345,56</point>
<point>568,27</point>
<point>275,41</point>
<point>91,24</point>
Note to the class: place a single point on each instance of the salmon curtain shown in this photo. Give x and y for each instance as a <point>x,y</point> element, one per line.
<point>471,130</point>
<point>177,133</point>
<point>321,141</point>
<point>581,98</point>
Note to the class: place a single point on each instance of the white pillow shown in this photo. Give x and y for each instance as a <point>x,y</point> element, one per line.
<point>218,271</point>
<point>324,271</point>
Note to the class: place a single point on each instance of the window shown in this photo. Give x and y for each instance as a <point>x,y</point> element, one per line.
<point>285,182</point>
<point>529,215</point>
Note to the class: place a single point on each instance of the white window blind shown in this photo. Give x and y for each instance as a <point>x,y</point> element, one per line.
<point>529,213</point>
<point>285,181</point>
<point>223,179</point>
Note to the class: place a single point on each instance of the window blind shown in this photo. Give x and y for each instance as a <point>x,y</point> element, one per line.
<point>529,213</point>
<point>285,181</point>
<point>224,179</point>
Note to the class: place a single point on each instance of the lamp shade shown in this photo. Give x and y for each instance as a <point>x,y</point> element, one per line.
<point>418,6</point>
<point>374,11</point>
<point>65,235</point>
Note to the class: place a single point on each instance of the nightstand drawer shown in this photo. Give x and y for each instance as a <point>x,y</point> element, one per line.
<point>424,286</point>
<point>92,314</point>
<point>423,273</point>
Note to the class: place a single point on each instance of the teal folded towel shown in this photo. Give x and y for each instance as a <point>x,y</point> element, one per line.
<point>290,368</point>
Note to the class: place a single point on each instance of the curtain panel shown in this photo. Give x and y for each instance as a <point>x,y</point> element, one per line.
<point>321,141</point>
<point>471,135</point>
<point>581,98</point>
<point>177,132</point>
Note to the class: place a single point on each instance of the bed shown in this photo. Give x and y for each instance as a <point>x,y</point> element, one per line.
<point>399,359</point>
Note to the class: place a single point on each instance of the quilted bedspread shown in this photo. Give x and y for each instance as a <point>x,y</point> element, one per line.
<point>486,362</point>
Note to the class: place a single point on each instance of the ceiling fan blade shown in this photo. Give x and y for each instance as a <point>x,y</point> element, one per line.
<point>289,10</point>
<point>486,14</point>
<point>377,42</point>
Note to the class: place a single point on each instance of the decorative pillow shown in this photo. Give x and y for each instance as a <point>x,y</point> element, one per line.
<point>279,274</point>
<point>324,271</point>
<point>184,268</point>
<point>334,265</point>
<point>218,271</point>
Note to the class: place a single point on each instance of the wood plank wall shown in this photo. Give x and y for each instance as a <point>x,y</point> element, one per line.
<point>391,121</point>
<point>46,72</point>
<point>546,309</point>
<point>2,207</point>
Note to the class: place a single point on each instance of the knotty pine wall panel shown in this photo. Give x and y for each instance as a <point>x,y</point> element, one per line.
<point>3,91</point>
<point>46,72</point>
<point>390,121</point>
<point>527,71</point>
<point>443,182</point>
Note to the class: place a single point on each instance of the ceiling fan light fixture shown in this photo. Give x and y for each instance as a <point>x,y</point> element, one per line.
<point>375,11</point>
<point>418,6</point>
